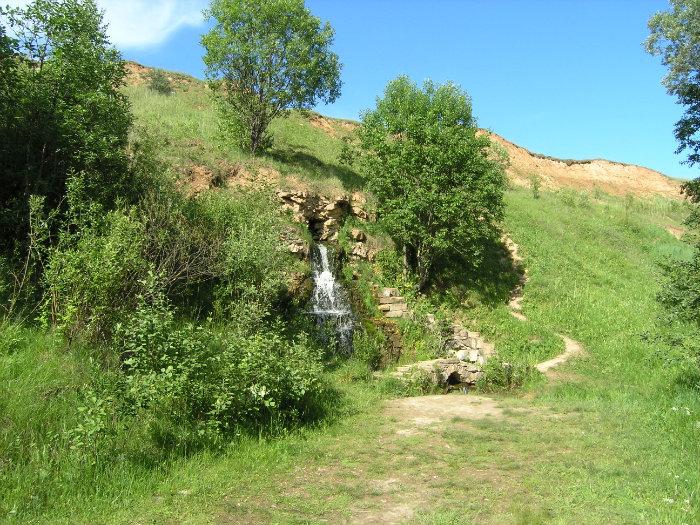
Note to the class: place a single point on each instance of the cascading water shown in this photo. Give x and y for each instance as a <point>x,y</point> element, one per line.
<point>330,303</point>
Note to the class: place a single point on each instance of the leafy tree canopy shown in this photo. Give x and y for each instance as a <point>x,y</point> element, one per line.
<point>269,56</point>
<point>439,184</point>
<point>675,37</point>
<point>63,111</point>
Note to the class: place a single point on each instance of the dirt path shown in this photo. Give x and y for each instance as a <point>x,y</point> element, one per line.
<point>571,349</point>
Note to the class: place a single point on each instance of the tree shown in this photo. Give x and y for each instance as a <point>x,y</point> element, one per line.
<point>68,114</point>
<point>159,82</point>
<point>675,36</point>
<point>266,57</point>
<point>438,183</point>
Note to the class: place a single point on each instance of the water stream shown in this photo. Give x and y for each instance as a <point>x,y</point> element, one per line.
<point>329,303</point>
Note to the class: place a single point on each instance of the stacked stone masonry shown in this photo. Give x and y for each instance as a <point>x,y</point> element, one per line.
<point>391,304</point>
<point>469,353</point>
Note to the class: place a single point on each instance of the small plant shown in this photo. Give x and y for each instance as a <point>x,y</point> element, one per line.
<point>159,82</point>
<point>500,376</point>
<point>629,206</point>
<point>535,185</point>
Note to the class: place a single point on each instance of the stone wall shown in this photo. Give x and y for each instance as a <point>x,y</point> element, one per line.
<point>468,353</point>
<point>391,304</point>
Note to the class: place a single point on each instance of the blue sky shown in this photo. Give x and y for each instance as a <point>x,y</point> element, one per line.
<point>567,78</point>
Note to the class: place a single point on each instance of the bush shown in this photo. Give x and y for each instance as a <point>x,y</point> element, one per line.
<point>535,185</point>
<point>368,345</point>
<point>253,262</point>
<point>159,82</point>
<point>92,277</point>
<point>214,255</point>
<point>680,291</point>
<point>65,114</point>
<point>438,183</point>
<point>204,384</point>
<point>500,376</point>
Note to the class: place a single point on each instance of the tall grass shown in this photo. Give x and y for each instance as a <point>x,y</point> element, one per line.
<point>187,123</point>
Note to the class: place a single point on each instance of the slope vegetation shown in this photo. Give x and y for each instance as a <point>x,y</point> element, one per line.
<point>611,439</point>
<point>308,146</point>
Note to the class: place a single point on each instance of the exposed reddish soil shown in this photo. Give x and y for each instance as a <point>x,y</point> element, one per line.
<point>615,178</point>
<point>334,127</point>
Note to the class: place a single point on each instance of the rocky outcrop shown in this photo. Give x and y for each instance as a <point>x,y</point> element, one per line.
<point>295,244</point>
<point>323,215</point>
<point>361,248</point>
<point>468,346</point>
<point>442,372</point>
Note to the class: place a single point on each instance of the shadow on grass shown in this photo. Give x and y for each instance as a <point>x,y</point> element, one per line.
<point>311,164</point>
<point>492,282</point>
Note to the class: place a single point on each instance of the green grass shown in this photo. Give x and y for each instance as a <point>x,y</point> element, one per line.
<point>616,440</point>
<point>186,124</point>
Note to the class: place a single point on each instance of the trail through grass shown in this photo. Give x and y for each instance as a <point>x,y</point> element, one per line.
<point>614,439</point>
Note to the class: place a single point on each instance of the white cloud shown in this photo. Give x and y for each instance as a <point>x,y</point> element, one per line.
<point>145,23</point>
<point>138,23</point>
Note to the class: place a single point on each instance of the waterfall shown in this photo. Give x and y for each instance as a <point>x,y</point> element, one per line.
<point>330,303</point>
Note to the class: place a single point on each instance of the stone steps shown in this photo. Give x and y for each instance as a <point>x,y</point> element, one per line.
<point>391,304</point>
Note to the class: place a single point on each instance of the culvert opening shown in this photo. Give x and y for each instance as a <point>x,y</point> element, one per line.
<point>454,379</point>
<point>316,228</point>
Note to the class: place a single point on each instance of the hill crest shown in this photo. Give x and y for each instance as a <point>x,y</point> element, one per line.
<point>615,178</point>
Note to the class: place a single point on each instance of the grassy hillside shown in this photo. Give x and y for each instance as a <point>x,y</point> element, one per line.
<point>612,438</point>
<point>305,153</point>
<point>615,440</point>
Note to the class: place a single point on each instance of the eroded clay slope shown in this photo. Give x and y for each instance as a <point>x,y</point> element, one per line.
<point>615,178</point>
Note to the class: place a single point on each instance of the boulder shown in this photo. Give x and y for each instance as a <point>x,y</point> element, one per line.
<point>358,235</point>
<point>358,203</point>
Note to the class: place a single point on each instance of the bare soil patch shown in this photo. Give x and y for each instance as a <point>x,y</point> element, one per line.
<point>615,178</point>
<point>675,232</point>
<point>427,410</point>
<point>333,127</point>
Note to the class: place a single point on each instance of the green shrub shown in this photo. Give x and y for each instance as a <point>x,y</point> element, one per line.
<point>93,277</point>
<point>253,262</point>
<point>205,384</point>
<point>65,114</point>
<point>390,266</point>
<point>159,82</point>
<point>368,344</point>
<point>504,376</point>
<point>535,185</point>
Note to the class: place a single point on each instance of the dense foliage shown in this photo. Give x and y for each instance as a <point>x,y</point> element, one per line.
<point>675,36</point>
<point>204,384</point>
<point>438,183</point>
<point>159,82</point>
<point>62,111</point>
<point>266,57</point>
<point>173,311</point>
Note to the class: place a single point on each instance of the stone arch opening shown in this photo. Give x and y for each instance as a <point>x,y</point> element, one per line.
<point>454,379</point>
